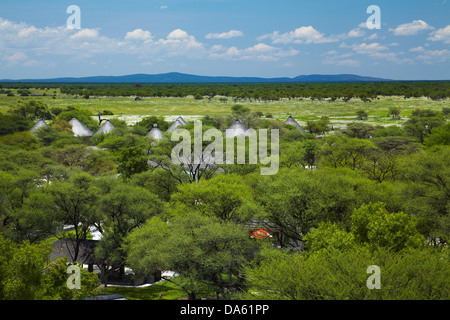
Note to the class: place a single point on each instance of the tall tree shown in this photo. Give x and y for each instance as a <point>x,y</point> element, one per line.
<point>199,249</point>
<point>75,204</point>
<point>31,109</point>
<point>123,208</point>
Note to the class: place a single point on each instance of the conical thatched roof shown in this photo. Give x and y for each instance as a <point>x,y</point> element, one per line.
<point>79,129</point>
<point>107,127</point>
<point>41,123</point>
<point>182,120</point>
<point>155,133</point>
<point>291,121</point>
<point>237,129</point>
<point>175,124</point>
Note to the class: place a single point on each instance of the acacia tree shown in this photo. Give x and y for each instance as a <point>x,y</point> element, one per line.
<point>27,274</point>
<point>362,114</point>
<point>422,122</point>
<point>395,112</point>
<point>75,204</point>
<point>31,109</point>
<point>296,200</point>
<point>426,192</point>
<point>132,160</point>
<point>334,264</point>
<point>225,197</point>
<point>198,248</point>
<point>122,207</point>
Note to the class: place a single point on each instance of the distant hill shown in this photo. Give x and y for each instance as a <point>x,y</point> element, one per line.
<point>175,77</point>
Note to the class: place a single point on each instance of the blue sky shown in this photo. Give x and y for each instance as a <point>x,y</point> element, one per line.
<point>225,38</point>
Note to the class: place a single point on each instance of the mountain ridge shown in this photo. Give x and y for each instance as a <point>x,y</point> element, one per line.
<point>176,77</point>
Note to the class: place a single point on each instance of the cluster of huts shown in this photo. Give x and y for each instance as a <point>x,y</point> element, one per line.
<point>86,256</point>
<point>238,128</point>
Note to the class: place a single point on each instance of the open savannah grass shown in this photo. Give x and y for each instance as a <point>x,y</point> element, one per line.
<point>339,112</point>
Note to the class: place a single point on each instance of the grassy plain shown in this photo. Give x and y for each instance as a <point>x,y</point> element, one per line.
<point>338,111</point>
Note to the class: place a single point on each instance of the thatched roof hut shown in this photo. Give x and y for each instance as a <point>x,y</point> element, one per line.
<point>177,123</point>
<point>107,127</point>
<point>182,120</point>
<point>237,129</point>
<point>79,129</point>
<point>291,121</point>
<point>155,133</point>
<point>41,123</point>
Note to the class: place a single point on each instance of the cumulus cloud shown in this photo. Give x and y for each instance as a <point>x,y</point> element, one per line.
<point>225,35</point>
<point>85,34</point>
<point>179,38</point>
<point>305,35</point>
<point>442,34</point>
<point>412,28</point>
<point>417,49</point>
<point>354,33</point>
<point>178,34</point>
<point>365,48</point>
<point>178,43</point>
<point>431,56</point>
<point>259,51</point>
<point>377,51</point>
<point>42,43</point>
<point>260,47</point>
<point>139,34</point>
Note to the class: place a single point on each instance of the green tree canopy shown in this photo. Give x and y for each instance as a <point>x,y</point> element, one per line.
<point>198,248</point>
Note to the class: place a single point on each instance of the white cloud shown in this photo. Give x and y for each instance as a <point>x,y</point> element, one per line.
<point>431,56</point>
<point>300,35</point>
<point>163,7</point>
<point>260,47</point>
<point>417,49</point>
<point>365,48</point>
<point>373,36</point>
<point>442,34</point>
<point>412,28</point>
<point>260,51</point>
<point>26,32</point>
<point>355,33</point>
<point>363,25</point>
<point>139,34</point>
<point>225,35</point>
<point>178,34</point>
<point>78,45</point>
<point>85,34</point>
<point>17,56</point>
<point>179,43</point>
<point>377,51</point>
